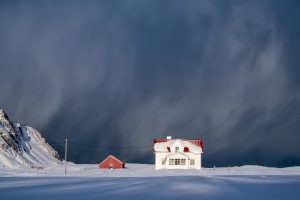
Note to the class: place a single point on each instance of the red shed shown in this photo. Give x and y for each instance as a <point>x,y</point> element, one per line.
<point>111,162</point>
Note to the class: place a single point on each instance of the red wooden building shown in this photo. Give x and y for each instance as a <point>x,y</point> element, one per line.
<point>111,162</point>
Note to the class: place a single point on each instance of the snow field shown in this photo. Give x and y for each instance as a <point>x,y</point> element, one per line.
<point>140,181</point>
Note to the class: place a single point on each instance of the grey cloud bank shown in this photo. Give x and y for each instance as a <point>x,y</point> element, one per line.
<point>121,73</point>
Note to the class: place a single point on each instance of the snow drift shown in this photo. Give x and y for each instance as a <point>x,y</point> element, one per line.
<point>23,147</point>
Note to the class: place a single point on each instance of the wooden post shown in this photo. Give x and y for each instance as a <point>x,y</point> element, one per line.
<point>66,151</point>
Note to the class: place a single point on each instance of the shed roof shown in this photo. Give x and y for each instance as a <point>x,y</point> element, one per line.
<point>111,156</point>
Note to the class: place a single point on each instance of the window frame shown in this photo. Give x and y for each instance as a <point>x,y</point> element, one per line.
<point>182,161</point>
<point>172,161</point>
<point>192,162</point>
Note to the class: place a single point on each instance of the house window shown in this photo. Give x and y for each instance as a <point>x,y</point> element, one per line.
<point>171,161</point>
<point>176,148</point>
<point>177,161</point>
<point>192,162</point>
<point>164,161</point>
<point>182,161</point>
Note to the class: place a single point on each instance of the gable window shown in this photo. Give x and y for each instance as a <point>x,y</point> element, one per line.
<point>192,162</point>
<point>177,161</point>
<point>176,148</point>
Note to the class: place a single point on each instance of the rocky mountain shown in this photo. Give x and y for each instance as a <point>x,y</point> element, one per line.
<point>22,146</point>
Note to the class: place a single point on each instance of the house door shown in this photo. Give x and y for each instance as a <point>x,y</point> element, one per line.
<point>110,166</point>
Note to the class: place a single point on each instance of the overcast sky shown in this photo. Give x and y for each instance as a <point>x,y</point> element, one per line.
<point>120,73</point>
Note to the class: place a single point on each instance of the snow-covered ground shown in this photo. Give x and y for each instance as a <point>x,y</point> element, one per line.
<point>140,181</point>
<point>145,170</point>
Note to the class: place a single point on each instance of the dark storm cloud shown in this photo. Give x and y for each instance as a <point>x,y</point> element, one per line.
<point>124,72</point>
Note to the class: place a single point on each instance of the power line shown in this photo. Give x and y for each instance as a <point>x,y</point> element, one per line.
<point>81,145</point>
<point>110,147</point>
<point>101,147</point>
<point>59,143</point>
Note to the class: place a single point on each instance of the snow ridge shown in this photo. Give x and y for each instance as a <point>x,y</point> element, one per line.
<point>23,147</point>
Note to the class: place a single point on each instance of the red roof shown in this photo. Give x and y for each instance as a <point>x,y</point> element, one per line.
<point>111,162</point>
<point>197,142</point>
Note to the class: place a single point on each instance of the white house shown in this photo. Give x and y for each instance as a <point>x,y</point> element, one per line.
<point>177,153</point>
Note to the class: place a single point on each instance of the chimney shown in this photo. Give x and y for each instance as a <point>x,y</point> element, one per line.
<point>169,137</point>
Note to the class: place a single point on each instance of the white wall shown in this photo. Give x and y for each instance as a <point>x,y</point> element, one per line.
<point>179,154</point>
<point>159,156</point>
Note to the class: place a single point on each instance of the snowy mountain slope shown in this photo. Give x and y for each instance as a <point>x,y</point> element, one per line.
<point>22,146</point>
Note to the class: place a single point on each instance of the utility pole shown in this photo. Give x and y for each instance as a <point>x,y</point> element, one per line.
<point>66,151</point>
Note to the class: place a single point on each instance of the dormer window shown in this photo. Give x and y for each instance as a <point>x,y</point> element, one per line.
<point>176,148</point>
